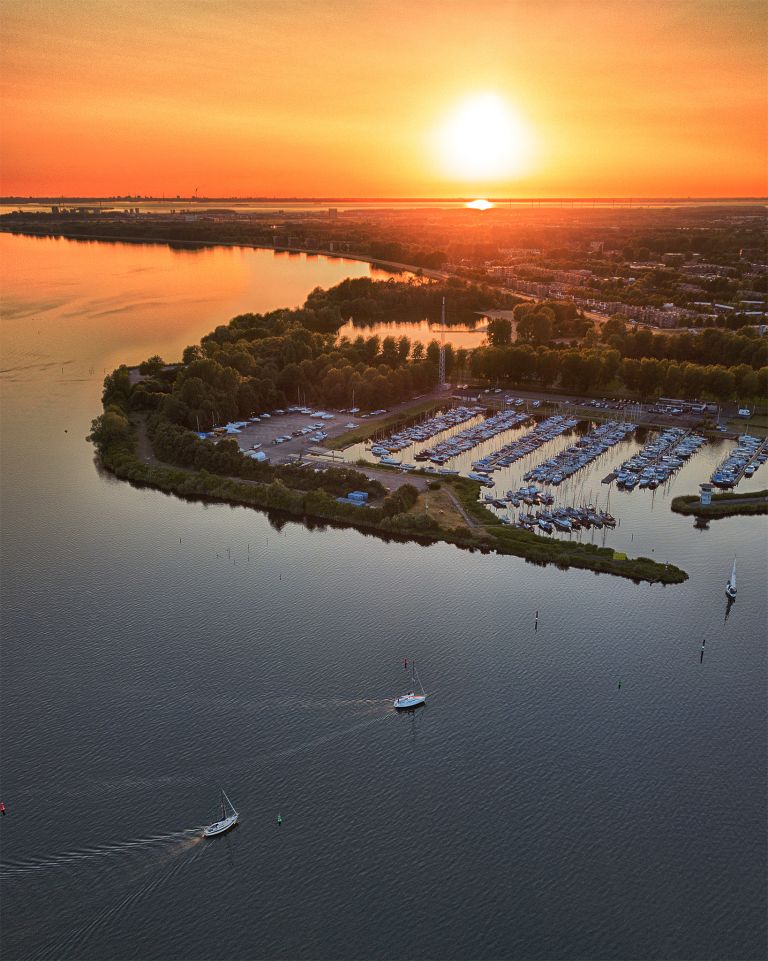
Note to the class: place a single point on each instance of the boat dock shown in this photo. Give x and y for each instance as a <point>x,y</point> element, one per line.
<point>658,460</point>
<point>742,461</point>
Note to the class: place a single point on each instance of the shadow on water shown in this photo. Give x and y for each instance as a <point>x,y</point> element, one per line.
<point>729,602</point>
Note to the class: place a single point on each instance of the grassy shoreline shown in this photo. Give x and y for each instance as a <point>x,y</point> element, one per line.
<point>123,461</point>
<point>723,505</point>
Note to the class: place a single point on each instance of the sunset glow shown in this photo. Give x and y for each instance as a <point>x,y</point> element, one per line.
<point>483,139</point>
<point>260,98</point>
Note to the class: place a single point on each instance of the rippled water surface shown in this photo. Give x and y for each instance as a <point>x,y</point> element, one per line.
<point>155,650</point>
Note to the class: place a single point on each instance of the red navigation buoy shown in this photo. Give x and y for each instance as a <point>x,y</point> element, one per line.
<point>2,807</point>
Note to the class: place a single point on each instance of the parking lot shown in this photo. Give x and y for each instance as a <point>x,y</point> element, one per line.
<point>303,429</point>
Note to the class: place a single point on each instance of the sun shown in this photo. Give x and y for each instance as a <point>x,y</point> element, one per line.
<point>483,139</point>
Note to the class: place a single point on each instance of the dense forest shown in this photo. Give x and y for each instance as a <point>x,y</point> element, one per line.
<point>262,361</point>
<point>717,364</point>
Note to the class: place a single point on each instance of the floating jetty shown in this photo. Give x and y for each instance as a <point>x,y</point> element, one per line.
<point>425,430</point>
<point>659,459</point>
<point>589,448</point>
<point>742,461</point>
<point>470,437</point>
<point>545,431</point>
<point>549,517</point>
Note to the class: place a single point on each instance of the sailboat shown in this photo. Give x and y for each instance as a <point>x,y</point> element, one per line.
<point>227,821</point>
<point>730,589</point>
<point>412,698</point>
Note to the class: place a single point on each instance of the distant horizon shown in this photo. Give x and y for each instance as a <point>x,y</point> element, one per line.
<point>321,198</point>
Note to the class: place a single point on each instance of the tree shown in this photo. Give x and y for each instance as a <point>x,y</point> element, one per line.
<point>389,352</point>
<point>111,427</point>
<point>548,367</point>
<point>499,331</point>
<point>649,377</point>
<point>191,353</point>
<point>535,327</point>
<point>720,382</point>
<point>614,326</point>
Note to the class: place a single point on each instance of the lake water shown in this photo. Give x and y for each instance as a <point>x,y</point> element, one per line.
<point>421,330</point>
<point>155,650</point>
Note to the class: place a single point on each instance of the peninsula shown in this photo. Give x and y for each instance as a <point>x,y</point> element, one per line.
<point>154,429</point>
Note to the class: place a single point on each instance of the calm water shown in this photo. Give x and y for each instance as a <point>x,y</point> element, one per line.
<point>156,649</point>
<point>422,330</point>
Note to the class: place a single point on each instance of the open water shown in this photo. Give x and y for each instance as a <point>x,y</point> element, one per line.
<point>155,650</point>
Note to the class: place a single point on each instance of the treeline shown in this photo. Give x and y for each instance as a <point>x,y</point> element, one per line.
<point>365,300</point>
<point>602,369</point>
<point>718,364</point>
<point>406,254</point>
<point>263,361</point>
<point>175,445</point>
<point>711,346</point>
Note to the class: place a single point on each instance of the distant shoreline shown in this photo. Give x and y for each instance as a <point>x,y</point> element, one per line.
<point>197,201</point>
<point>338,255</point>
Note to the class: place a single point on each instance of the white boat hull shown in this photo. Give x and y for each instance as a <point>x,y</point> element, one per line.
<point>220,827</point>
<point>411,700</point>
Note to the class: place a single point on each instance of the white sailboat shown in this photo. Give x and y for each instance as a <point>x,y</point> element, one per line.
<point>412,698</point>
<point>227,821</point>
<point>730,589</point>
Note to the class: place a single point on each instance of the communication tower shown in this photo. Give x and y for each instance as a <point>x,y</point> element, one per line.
<point>441,364</point>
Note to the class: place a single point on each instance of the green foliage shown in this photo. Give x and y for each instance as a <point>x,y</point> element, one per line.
<point>112,429</point>
<point>117,388</point>
<point>152,366</point>
<point>400,501</point>
<point>499,331</point>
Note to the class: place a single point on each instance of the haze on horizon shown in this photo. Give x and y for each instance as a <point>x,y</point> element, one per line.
<point>378,99</point>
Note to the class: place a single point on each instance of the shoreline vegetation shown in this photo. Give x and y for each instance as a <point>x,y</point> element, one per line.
<point>146,433</point>
<point>723,505</point>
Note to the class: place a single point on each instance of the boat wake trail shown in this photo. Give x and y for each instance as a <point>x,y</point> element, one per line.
<point>137,867</point>
<point>334,735</point>
<point>161,844</point>
<point>151,877</point>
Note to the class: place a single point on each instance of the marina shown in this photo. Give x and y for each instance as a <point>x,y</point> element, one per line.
<point>571,460</point>
<point>658,460</point>
<point>424,431</point>
<point>743,461</point>
<point>547,516</point>
<point>515,450</point>
<point>469,438</point>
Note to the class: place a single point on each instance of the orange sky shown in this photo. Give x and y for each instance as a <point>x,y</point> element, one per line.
<point>342,97</point>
